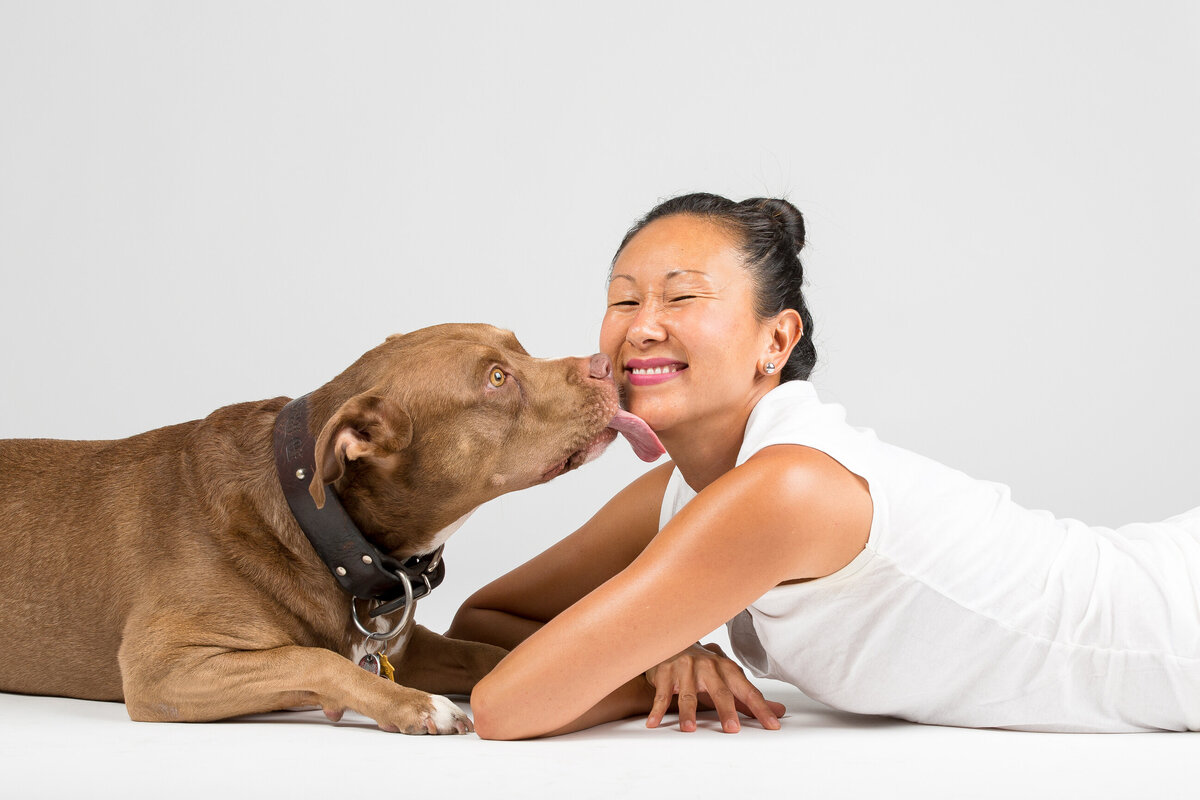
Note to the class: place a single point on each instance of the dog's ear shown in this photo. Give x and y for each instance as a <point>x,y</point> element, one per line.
<point>366,426</point>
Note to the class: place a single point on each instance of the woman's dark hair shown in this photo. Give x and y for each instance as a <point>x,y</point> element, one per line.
<point>772,235</point>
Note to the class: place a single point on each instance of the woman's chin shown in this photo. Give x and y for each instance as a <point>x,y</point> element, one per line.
<point>658,418</point>
<point>661,406</point>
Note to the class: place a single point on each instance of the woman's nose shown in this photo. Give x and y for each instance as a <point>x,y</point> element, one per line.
<point>646,326</point>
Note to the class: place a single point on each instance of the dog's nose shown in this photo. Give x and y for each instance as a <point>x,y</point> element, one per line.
<point>601,366</point>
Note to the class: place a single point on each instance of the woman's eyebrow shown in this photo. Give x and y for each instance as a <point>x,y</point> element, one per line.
<point>675,273</point>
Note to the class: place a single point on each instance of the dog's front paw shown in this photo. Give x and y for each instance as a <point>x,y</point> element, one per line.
<point>437,715</point>
<point>448,717</point>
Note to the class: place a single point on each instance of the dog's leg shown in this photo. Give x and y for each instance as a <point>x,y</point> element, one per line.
<point>442,665</point>
<point>200,684</point>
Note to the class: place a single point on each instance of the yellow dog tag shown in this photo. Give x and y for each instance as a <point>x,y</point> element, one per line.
<point>386,667</point>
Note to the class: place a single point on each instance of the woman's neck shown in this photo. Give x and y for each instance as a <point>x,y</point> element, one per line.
<point>705,449</point>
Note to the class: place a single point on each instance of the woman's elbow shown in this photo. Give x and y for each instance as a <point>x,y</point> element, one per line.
<point>465,619</point>
<point>489,720</point>
<point>460,626</point>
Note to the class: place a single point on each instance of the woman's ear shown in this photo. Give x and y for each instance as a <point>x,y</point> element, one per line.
<point>366,426</point>
<point>786,332</point>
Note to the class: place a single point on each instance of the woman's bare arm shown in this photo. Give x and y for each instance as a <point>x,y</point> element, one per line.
<point>509,609</point>
<point>789,512</point>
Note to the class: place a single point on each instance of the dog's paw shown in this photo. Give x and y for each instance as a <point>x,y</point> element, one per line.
<point>448,717</point>
<point>438,715</point>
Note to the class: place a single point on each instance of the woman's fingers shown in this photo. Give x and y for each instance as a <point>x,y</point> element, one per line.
<point>726,705</point>
<point>719,696</point>
<point>687,700</point>
<point>664,691</point>
<point>767,712</point>
<point>750,700</point>
<point>704,677</point>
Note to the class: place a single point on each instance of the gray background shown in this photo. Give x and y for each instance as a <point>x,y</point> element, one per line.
<point>206,203</point>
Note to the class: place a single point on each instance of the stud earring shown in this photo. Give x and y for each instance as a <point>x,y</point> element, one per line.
<point>769,368</point>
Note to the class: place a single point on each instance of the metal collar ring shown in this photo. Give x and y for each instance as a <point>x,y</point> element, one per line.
<point>404,620</point>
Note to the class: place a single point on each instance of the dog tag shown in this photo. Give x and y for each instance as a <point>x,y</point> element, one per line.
<point>386,667</point>
<point>378,664</point>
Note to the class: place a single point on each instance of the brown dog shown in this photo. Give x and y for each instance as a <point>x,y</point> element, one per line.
<point>169,566</point>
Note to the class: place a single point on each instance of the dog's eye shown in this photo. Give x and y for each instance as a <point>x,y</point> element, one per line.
<point>497,378</point>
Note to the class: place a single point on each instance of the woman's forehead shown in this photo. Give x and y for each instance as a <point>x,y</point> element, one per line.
<point>679,247</point>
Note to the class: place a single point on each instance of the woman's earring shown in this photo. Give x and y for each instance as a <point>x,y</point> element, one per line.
<point>769,368</point>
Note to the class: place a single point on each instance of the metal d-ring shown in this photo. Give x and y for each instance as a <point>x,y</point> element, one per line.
<point>408,607</point>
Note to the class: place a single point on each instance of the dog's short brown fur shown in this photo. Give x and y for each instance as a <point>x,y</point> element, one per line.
<point>169,568</point>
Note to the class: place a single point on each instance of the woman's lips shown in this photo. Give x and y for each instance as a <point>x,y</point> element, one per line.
<point>651,371</point>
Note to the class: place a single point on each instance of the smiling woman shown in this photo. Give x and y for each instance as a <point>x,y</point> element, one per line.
<point>874,579</point>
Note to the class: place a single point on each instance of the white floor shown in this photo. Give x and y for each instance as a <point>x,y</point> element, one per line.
<point>52,747</point>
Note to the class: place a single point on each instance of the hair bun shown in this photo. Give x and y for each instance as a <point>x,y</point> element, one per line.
<point>786,215</point>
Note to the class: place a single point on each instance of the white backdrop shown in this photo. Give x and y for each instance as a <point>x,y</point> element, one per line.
<point>205,203</point>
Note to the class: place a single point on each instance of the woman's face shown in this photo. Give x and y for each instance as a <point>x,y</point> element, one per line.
<point>680,326</point>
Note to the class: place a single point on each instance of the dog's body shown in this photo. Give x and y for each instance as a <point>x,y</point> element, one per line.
<point>166,569</point>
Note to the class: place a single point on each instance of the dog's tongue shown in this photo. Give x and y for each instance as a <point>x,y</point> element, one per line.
<point>645,444</point>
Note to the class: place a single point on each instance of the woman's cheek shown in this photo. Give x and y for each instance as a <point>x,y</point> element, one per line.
<point>606,331</point>
<point>610,335</point>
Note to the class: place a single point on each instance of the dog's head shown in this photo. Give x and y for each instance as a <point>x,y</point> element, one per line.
<point>431,424</point>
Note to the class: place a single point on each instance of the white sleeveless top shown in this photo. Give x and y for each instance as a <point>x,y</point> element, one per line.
<point>967,609</point>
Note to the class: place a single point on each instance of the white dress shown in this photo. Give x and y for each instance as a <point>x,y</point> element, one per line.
<point>967,609</point>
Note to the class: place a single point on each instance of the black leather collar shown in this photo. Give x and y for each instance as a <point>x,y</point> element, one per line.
<point>357,565</point>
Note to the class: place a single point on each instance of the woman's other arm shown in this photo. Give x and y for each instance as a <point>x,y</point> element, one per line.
<point>509,609</point>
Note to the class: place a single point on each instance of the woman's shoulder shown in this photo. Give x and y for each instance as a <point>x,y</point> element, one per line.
<point>800,473</point>
<point>810,511</point>
<point>826,507</point>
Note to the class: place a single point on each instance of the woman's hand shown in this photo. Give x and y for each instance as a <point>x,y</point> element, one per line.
<point>702,676</point>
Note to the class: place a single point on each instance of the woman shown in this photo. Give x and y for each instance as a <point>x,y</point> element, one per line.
<point>873,579</point>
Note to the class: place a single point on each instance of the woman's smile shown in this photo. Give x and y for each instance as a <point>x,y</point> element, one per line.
<point>651,371</point>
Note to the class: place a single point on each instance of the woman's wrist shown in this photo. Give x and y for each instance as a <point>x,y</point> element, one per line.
<point>633,698</point>
<point>640,695</point>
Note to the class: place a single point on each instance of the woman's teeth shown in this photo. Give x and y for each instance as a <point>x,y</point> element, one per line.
<point>655,370</point>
